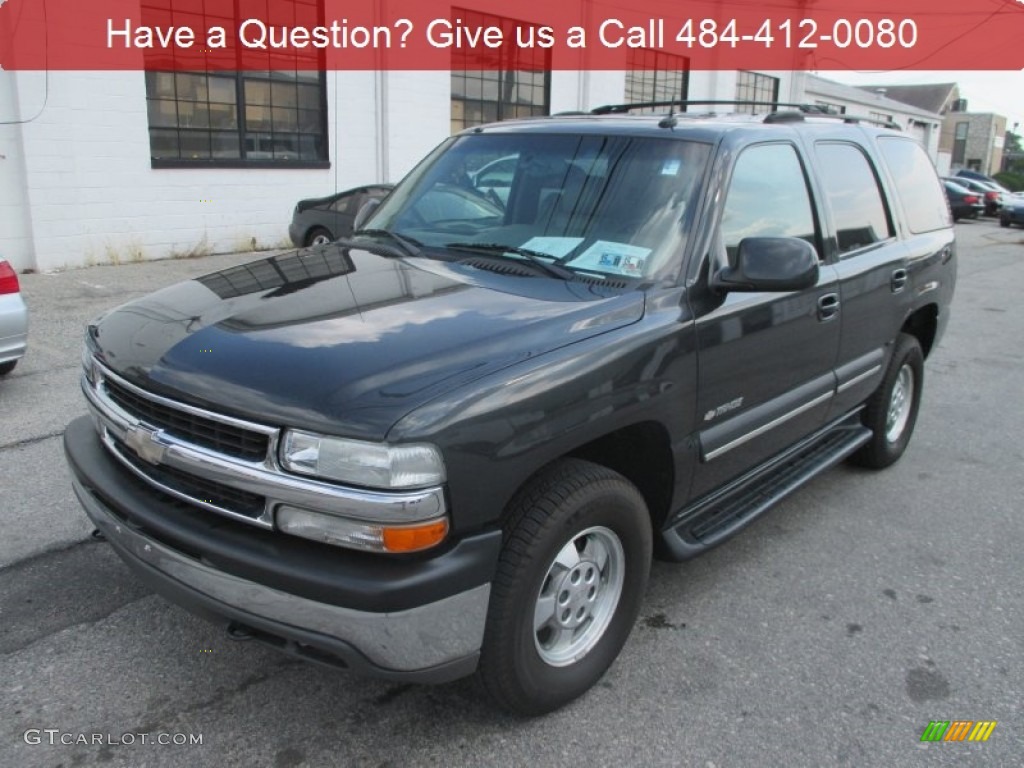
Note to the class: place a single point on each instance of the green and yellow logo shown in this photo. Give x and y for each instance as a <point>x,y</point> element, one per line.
<point>958,730</point>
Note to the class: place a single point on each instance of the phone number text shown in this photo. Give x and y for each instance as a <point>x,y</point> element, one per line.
<point>789,33</point>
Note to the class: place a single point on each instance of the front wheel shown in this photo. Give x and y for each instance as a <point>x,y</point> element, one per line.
<point>569,585</point>
<point>891,412</point>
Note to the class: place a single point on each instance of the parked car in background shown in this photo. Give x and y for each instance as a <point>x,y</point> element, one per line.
<point>963,203</point>
<point>1012,212</point>
<point>993,197</point>
<point>13,319</point>
<point>966,173</point>
<point>494,179</point>
<point>322,219</point>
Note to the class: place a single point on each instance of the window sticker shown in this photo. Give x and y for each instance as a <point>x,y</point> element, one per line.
<point>671,167</point>
<point>559,247</point>
<point>616,258</point>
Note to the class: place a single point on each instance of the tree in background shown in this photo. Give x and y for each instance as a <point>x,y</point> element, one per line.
<point>1012,175</point>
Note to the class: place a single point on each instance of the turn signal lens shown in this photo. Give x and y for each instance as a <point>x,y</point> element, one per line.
<point>360,534</point>
<point>414,538</point>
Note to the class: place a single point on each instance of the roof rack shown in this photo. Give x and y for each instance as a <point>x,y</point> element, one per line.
<point>794,112</point>
<point>619,109</point>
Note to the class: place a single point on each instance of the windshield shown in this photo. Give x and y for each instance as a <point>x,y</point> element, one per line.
<point>606,206</point>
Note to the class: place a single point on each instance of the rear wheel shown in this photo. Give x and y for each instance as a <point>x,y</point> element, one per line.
<point>570,582</point>
<point>891,412</point>
<point>318,236</point>
<point>1004,222</point>
<point>6,368</point>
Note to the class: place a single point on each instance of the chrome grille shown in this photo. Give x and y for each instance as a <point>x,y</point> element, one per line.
<point>223,497</point>
<point>215,435</point>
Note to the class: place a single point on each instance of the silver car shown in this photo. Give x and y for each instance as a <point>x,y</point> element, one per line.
<point>13,319</point>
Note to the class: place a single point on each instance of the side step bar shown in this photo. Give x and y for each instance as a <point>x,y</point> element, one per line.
<point>717,516</point>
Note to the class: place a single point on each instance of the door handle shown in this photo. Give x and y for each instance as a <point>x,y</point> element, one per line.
<point>828,306</point>
<point>899,280</point>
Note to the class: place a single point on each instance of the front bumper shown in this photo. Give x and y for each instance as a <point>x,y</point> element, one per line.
<point>296,234</point>
<point>409,619</point>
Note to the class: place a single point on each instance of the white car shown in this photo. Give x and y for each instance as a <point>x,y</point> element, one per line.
<point>13,319</point>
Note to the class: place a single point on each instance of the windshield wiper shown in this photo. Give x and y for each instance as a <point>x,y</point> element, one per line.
<point>537,258</point>
<point>408,244</point>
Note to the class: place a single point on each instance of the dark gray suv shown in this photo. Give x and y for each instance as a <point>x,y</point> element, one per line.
<point>452,443</point>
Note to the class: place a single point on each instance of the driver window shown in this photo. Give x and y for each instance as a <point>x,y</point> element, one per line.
<point>767,197</point>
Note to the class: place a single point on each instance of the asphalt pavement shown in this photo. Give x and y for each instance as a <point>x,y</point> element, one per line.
<point>830,633</point>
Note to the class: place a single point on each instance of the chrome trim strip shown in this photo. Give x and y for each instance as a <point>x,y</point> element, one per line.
<point>265,520</point>
<point>858,379</point>
<point>266,480</point>
<point>414,639</point>
<point>106,373</point>
<point>765,427</point>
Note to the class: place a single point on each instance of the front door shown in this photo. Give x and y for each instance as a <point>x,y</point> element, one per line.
<point>765,360</point>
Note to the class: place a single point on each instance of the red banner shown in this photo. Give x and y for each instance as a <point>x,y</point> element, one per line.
<point>583,34</point>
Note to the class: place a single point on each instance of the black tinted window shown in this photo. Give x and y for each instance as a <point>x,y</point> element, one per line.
<point>856,200</point>
<point>767,198</point>
<point>916,184</point>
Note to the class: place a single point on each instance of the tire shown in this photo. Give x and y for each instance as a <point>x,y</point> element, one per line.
<point>318,236</point>
<point>6,368</point>
<point>891,412</point>
<point>1004,222</point>
<point>569,585</point>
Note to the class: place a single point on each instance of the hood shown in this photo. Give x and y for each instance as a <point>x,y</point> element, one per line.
<point>342,340</point>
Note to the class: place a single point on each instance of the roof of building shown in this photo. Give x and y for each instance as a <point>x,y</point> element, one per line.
<point>831,89</point>
<point>931,97</point>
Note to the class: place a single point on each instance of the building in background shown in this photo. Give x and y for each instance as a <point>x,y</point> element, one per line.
<point>114,167</point>
<point>976,140</point>
<point>971,140</point>
<point>923,124</point>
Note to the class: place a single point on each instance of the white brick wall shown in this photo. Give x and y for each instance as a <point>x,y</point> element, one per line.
<point>85,191</point>
<point>91,195</point>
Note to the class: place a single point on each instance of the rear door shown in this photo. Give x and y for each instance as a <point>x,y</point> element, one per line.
<point>871,262</point>
<point>765,360</point>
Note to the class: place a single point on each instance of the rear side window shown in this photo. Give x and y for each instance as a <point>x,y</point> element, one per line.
<point>916,184</point>
<point>854,195</point>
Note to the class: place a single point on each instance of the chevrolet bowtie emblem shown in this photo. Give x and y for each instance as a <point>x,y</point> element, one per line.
<point>146,444</point>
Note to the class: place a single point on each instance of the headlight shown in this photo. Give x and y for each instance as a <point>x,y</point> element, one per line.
<point>371,465</point>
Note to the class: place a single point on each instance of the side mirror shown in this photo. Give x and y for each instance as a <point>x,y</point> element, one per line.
<point>365,213</point>
<point>773,264</point>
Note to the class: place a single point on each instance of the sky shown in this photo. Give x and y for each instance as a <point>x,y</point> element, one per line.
<point>1001,92</point>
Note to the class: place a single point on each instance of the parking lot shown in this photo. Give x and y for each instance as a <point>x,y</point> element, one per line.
<point>829,633</point>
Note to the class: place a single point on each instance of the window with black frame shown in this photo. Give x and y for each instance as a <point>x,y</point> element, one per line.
<point>274,117</point>
<point>501,83</point>
<point>656,76</point>
<point>755,87</point>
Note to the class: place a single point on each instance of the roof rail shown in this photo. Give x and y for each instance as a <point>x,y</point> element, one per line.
<point>794,113</point>
<point>620,109</point>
